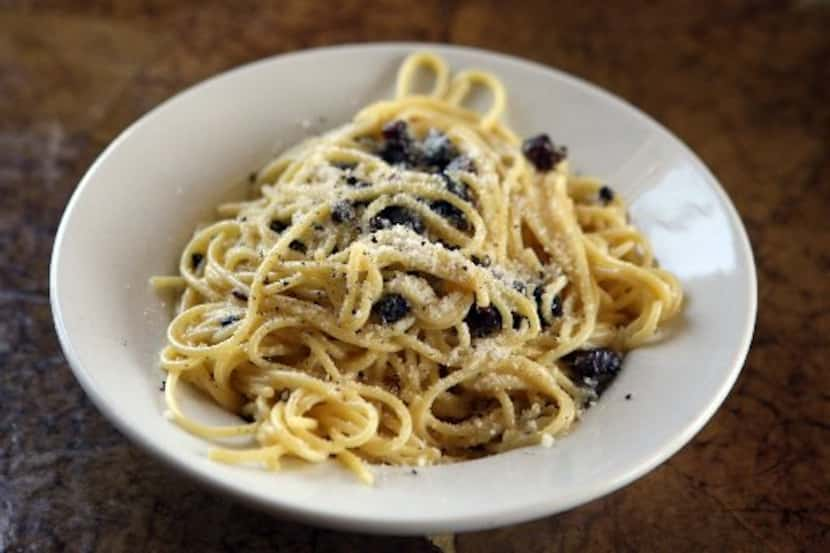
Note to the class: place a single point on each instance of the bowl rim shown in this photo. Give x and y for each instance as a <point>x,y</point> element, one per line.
<point>383,524</point>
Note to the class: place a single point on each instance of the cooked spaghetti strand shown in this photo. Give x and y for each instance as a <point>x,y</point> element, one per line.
<point>417,286</point>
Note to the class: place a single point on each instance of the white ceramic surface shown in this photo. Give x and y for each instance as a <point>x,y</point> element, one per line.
<point>139,202</point>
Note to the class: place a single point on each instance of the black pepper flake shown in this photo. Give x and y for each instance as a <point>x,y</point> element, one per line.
<point>415,472</point>
<point>318,227</point>
<point>438,150</point>
<point>164,385</point>
<point>456,187</point>
<point>606,195</point>
<point>519,286</point>
<point>277,226</point>
<point>252,177</point>
<point>391,308</point>
<point>596,367</point>
<point>451,213</point>
<point>483,321</point>
<point>481,261</point>
<point>356,182</point>
<point>397,215</point>
<point>397,131</point>
<point>230,319</point>
<point>398,146</point>
<point>297,246</point>
<point>241,296</point>
<point>627,396</point>
<point>542,153</point>
<point>196,259</point>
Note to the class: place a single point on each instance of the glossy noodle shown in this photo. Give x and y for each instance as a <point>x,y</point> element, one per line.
<point>417,286</point>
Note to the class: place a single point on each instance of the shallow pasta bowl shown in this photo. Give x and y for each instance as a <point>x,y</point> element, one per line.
<point>139,202</point>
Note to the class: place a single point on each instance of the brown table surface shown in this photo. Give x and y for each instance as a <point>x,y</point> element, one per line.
<point>745,84</point>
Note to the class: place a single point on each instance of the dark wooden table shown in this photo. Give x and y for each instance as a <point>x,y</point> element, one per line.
<point>745,84</point>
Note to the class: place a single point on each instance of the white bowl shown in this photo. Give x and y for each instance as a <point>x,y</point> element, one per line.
<point>139,202</point>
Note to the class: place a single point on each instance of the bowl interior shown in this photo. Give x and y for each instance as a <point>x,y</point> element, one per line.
<point>140,201</point>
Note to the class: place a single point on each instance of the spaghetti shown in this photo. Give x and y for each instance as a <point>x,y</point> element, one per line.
<point>417,286</point>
